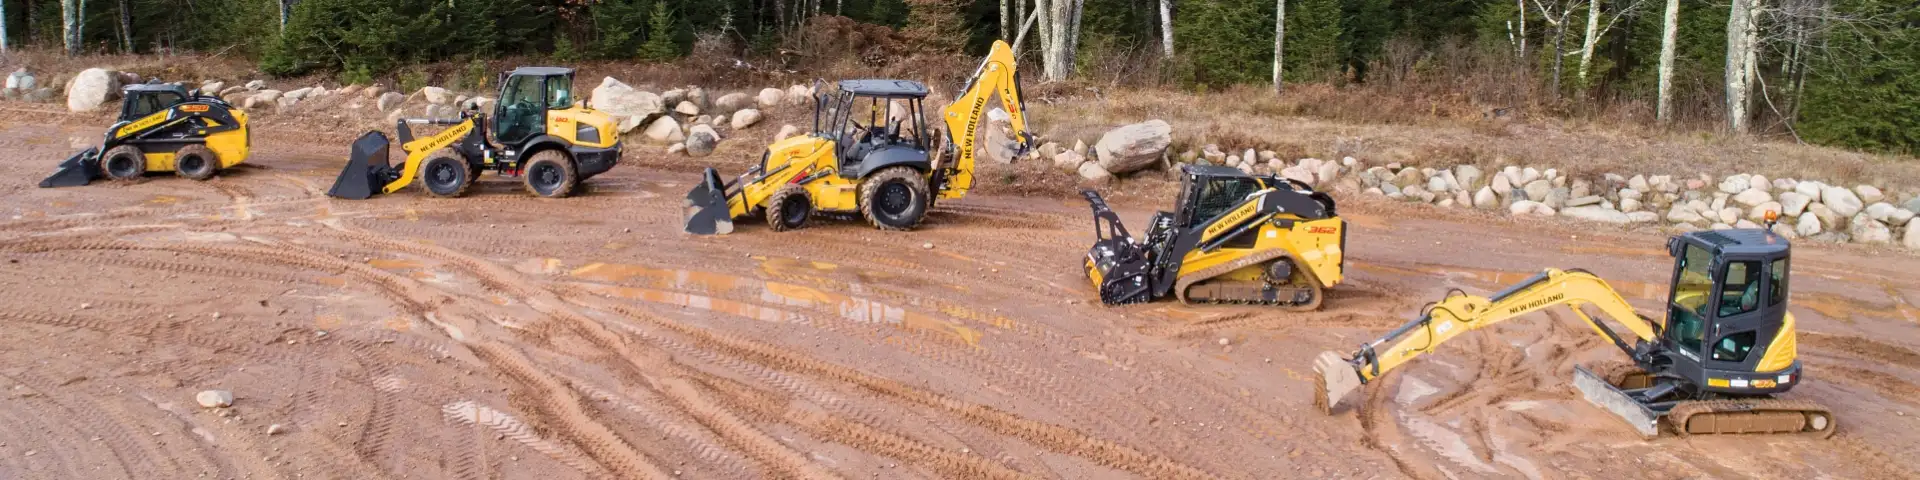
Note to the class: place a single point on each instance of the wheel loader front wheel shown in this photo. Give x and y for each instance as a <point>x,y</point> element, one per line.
<point>789,208</point>
<point>445,175</point>
<point>196,162</point>
<point>124,163</point>
<point>551,175</point>
<point>895,198</point>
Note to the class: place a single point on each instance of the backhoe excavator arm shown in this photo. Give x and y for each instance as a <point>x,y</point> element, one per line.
<point>999,74</point>
<point>1461,313</point>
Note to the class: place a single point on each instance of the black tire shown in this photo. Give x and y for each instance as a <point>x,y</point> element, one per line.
<point>196,162</point>
<point>445,175</point>
<point>550,174</point>
<point>125,163</point>
<point>895,198</point>
<point>789,208</point>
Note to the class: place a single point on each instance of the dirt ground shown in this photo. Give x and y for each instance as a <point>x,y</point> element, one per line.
<point>502,336</point>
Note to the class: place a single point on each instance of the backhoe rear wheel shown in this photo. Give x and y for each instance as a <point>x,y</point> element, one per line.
<point>789,208</point>
<point>551,175</point>
<point>445,174</point>
<point>895,198</point>
<point>124,163</point>
<point>196,162</point>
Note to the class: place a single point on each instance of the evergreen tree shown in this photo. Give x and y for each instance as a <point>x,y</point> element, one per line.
<point>661,27</point>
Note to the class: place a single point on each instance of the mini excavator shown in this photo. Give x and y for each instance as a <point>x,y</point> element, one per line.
<point>1233,238</point>
<point>161,128</point>
<point>1727,347</point>
<point>889,170</point>
<point>542,134</point>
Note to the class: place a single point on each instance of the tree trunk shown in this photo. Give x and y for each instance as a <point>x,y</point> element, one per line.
<point>286,13</point>
<point>1593,38</point>
<point>1523,28</point>
<point>3,27</point>
<point>1166,28</point>
<point>1740,53</point>
<point>126,28</point>
<point>1006,19</point>
<point>1669,40</point>
<point>1279,44</point>
<point>70,16</point>
<point>1559,52</point>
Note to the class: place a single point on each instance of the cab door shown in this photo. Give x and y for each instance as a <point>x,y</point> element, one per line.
<point>522,111</point>
<point>1748,313</point>
<point>1690,305</point>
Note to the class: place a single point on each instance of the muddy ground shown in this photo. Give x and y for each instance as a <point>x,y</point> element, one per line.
<point>502,336</point>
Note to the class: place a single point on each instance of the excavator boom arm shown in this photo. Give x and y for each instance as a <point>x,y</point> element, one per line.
<point>1458,314</point>
<point>998,74</point>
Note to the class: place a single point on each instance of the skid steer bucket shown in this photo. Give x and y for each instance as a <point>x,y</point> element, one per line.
<point>1606,395</point>
<point>1337,379</point>
<point>81,169</point>
<point>707,210</point>
<point>367,171</point>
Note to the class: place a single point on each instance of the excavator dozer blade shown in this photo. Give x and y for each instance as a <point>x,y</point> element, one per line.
<point>366,170</point>
<point>1609,397</point>
<point>83,168</point>
<point>707,211</point>
<point>1337,379</point>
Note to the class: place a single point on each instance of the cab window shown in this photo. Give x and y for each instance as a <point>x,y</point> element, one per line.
<point>1217,196</point>
<point>150,103</point>
<point>1741,294</point>
<point>1686,316</point>
<point>1778,292</point>
<point>559,93</point>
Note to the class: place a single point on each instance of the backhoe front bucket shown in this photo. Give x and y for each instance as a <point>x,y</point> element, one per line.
<point>81,169</point>
<point>1606,395</point>
<point>367,170</point>
<point>1337,379</point>
<point>707,211</point>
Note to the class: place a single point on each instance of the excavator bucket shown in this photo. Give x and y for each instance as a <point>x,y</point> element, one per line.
<point>367,170</point>
<point>1337,379</point>
<point>81,169</point>
<point>1606,395</point>
<point>707,211</point>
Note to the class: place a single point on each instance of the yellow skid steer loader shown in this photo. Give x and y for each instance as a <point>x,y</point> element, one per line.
<point>162,128</point>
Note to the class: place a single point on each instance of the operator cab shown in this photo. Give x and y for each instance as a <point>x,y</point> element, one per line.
<point>873,119</point>
<point>147,99</point>
<point>526,95</point>
<point>1729,297</point>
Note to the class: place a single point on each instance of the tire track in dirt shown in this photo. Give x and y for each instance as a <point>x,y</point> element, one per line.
<point>1862,347</point>
<point>467,412</point>
<point>701,442</point>
<point>564,405</point>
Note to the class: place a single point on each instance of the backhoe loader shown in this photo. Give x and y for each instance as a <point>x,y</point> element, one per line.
<point>539,133</point>
<point>889,170</point>
<point>161,128</point>
<point>1726,348</point>
<point>1233,238</point>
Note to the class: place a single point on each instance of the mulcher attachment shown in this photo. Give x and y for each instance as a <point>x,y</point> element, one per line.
<point>367,171</point>
<point>1119,259</point>
<point>81,169</point>
<point>706,206</point>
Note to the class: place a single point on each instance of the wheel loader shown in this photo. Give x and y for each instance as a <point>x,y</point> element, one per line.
<point>1232,238</point>
<point>871,153</point>
<point>1713,367</point>
<point>161,128</point>
<point>539,133</point>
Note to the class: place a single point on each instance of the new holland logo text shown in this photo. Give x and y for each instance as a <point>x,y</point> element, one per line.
<point>1232,219</point>
<point>1537,303</point>
<point>449,135</point>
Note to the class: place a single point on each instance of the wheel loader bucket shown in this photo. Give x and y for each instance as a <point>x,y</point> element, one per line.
<point>81,169</point>
<point>1609,397</point>
<point>366,170</point>
<point>1337,379</point>
<point>707,211</point>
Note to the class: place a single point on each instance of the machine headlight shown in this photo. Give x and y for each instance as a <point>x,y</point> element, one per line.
<point>586,134</point>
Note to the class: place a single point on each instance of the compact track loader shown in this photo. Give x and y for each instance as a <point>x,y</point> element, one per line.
<point>890,169</point>
<point>1233,238</point>
<point>539,133</point>
<point>162,128</point>
<point>1727,347</point>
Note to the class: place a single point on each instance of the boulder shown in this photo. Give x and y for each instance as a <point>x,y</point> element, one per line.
<point>1093,173</point>
<point>664,130</point>
<point>799,95</point>
<point>1630,205</point>
<point>1828,218</point>
<point>1438,185</point>
<point>719,120</point>
<point>1911,239</point>
<point>436,95</point>
<point>1758,182</point>
<point>687,107</point>
<point>1785,184</point>
<point>1759,212</point>
<point>1730,215</point>
<point>1595,214</point>
<point>1466,176</point>
<point>1663,183</point>
<point>729,103</point>
<point>1537,190</point>
<point>1913,205</point>
<point>214,398</point>
<point>677,148</point>
<point>296,95</point>
<point>745,118</point>
<point>699,98</point>
<point>39,95</point>
<point>673,97</point>
<point>701,140</point>
<point>257,85</point>
<point>1869,193</point>
<point>1843,202</point>
<point>1744,223</point>
<point>1696,184</point>
<point>1528,175</point>
<point>1752,197</point>
<point>1629,193</point>
<point>1639,183</point>
<point>1899,217</point>
<point>1415,193</point>
<point>786,132</point>
<point>701,120</point>
<point>1502,184</point>
<point>1736,184</point>
<point>1408,177</point>
<point>1864,229</point>
<point>770,97</point>
<point>1811,189</point>
<point>1298,173</point>
<point>1684,214</point>
<point>1068,161</point>
<point>1329,172</point>
<point>1583,201</point>
<point>213,87</point>
<point>20,80</point>
<point>91,89</point>
<point>390,101</point>
<point>1557,198</point>
<point>1643,217</point>
<point>1793,203</point>
<point>1133,147</point>
<point>1527,207</point>
<point>625,103</point>
<point>485,104</point>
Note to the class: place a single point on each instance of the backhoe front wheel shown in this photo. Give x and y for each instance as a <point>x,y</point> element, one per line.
<point>445,175</point>
<point>550,175</point>
<point>896,198</point>
<point>124,163</point>
<point>196,162</point>
<point>789,208</point>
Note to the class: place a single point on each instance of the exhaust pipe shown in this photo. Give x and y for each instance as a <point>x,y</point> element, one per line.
<point>706,206</point>
<point>81,169</point>
<point>367,171</point>
<point>1337,379</point>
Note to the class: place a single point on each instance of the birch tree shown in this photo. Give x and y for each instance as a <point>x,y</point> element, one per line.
<point>3,27</point>
<point>1166,28</point>
<point>126,28</point>
<point>1059,36</point>
<point>72,24</point>
<point>1279,43</point>
<point>1669,40</point>
<point>1592,38</point>
<point>1006,19</point>
<point>1742,35</point>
